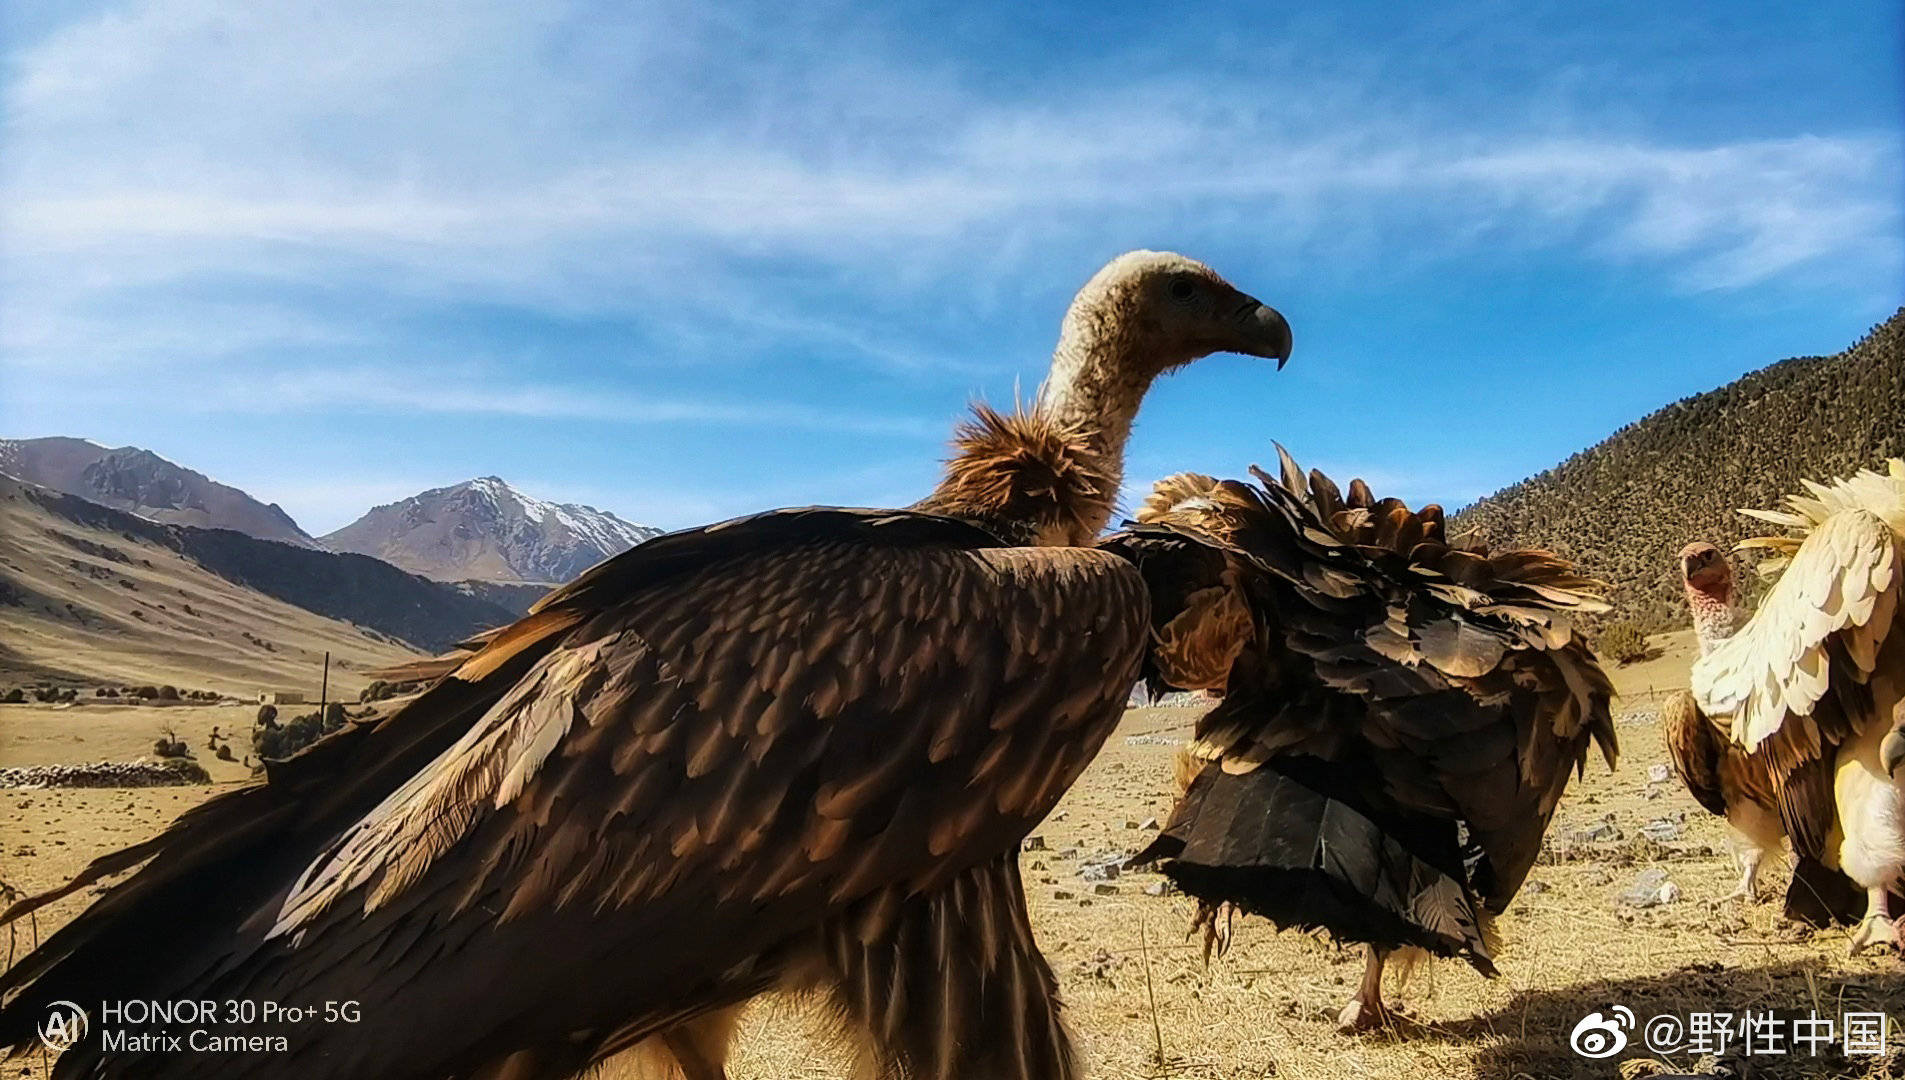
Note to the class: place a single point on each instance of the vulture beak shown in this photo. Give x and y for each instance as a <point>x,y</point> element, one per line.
<point>1892,751</point>
<point>1265,332</point>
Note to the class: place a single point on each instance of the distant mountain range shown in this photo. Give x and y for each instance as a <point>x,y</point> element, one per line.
<point>140,481</point>
<point>482,531</point>
<point>93,594</point>
<point>486,531</point>
<point>1624,507</point>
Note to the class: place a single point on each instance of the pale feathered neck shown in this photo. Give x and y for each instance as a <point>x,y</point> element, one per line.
<point>1714,619</point>
<point>1099,377</point>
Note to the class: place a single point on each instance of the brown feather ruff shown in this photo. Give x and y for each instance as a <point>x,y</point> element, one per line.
<point>1025,476</point>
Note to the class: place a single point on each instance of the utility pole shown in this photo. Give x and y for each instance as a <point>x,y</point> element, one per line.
<point>324,688</point>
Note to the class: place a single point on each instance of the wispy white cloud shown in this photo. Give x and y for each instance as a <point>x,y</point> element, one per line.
<point>257,209</point>
<point>457,152</point>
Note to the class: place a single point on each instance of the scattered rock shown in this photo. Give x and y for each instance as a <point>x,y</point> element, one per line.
<point>1661,830</point>
<point>1062,894</point>
<point>1099,965</point>
<point>107,774</point>
<point>1595,833</point>
<point>1164,887</point>
<point>1104,888</point>
<point>1534,886</point>
<point>1033,843</point>
<point>1658,774</point>
<point>1148,823</point>
<point>1650,888</point>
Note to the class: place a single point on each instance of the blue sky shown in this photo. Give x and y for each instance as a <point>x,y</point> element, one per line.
<point>687,260</point>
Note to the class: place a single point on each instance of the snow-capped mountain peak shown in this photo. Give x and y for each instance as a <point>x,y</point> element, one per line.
<point>486,529</point>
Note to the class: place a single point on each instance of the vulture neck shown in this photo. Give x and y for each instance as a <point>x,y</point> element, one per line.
<point>1098,380</point>
<point>1713,618</point>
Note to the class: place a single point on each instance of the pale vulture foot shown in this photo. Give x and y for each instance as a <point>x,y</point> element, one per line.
<point>1366,1011</point>
<point>1877,929</point>
<point>1215,923</point>
<point>1875,932</point>
<point>1748,888</point>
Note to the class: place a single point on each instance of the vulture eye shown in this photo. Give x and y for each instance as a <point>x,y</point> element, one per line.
<point>1182,289</point>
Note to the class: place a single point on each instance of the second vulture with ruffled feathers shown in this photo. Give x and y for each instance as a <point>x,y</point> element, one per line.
<point>1400,712</point>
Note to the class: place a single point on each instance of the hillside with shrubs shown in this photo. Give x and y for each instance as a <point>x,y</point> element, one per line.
<point>1624,507</point>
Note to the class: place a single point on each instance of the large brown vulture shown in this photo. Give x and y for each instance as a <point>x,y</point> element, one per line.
<point>797,749</point>
<point>1735,784</point>
<point>1814,683</point>
<point>1401,711</point>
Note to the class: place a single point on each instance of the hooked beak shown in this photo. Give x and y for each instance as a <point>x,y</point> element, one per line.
<point>1892,751</point>
<point>1265,332</point>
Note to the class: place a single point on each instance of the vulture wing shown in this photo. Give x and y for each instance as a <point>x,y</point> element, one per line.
<point>656,786</point>
<point>1419,706</point>
<point>1832,611</point>
<point>1696,750</point>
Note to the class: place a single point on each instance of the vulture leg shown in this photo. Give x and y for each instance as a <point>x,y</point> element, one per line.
<point>1748,888</point>
<point>950,985</point>
<point>1756,831</point>
<point>1877,929</point>
<point>1365,1011</point>
<point>1215,921</point>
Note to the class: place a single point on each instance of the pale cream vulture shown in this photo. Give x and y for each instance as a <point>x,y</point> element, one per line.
<point>797,749</point>
<point>1730,782</point>
<point>1814,682</point>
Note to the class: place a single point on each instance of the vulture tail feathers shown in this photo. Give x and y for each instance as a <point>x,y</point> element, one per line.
<point>1292,842</point>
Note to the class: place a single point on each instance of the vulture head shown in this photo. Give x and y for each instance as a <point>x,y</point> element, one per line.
<point>1703,567</point>
<point>1155,311</point>
<point>1708,578</point>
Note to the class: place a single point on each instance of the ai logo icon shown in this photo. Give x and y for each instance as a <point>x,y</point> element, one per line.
<point>1601,1036</point>
<point>65,1025</point>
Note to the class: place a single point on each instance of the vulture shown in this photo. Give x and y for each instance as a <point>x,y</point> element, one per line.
<point>1732,783</point>
<point>796,750</point>
<point>1812,686</point>
<point>1400,712</point>
<point>1722,778</point>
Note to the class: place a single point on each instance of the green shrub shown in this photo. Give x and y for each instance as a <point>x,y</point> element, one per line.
<point>15,696</point>
<point>268,716</point>
<point>1623,643</point>
<point>280,742</point>
<point>168,693</point>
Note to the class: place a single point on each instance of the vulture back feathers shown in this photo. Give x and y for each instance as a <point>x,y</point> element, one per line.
<point>1400,717</point>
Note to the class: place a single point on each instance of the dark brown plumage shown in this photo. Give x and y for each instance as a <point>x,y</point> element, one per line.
<point>794,750</point>
<point>1401,716</point>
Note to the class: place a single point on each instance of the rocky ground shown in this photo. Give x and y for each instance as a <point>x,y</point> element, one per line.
<point>1141,1000</point>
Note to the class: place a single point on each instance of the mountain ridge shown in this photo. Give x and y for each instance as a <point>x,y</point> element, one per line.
<point>1624,507</point>
<point>139,481</point>
<point>397,607</point>
<point>486,530</point>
